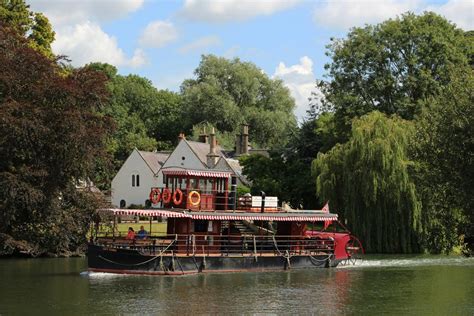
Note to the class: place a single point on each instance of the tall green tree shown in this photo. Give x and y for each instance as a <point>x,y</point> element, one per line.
<point>227,93</point>
<point>444,148</point>
<point>369,182</point>
<point>51,134</point>
<point>286,173</point>
<point>145,117</point>
<point>393,67</point>
<point>34,26</point>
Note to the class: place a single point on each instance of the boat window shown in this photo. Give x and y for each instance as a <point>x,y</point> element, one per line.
<point>208,186</point>
<point>219,185</point>
<point>200,226</point>
<point>193,183</point>
<point>181,183</point>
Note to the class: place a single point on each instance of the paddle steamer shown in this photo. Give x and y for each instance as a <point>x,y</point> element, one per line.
<point>210,229</point>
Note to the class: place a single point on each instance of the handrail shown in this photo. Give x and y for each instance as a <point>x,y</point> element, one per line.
<point>252,245</point>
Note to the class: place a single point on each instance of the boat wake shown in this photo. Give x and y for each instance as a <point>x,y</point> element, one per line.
<point>100,275</point>
<point>409,262</point>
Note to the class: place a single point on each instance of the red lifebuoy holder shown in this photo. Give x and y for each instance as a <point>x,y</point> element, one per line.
<point>177,197</point>
<point>155,196</point>
<point>194,198</point>
<point>166,195</point>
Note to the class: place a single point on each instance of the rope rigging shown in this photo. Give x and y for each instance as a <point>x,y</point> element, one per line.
<point>160,255</point>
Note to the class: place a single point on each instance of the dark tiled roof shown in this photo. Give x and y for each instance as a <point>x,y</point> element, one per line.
<point>202,149</point>
<point>237,169</point>
<point>154,160</point>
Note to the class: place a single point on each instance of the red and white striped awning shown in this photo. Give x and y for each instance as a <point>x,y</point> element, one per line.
<point>118,211</point>
<point>196,173</point>
<point>264,217</point>
<point>213,216</point>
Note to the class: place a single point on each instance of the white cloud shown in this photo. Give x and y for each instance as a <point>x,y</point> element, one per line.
<point>158,33</point>
<point>300,80</point>
<point>200,45</point>
<point>232,52</point>
<point>86,43</point>
<point>346,14</point>
<point>232,10</point>
<point>61,12</point>
<point>460,12</point>
<point>78,31</point>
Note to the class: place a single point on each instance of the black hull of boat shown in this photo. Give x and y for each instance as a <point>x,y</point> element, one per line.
<point>132,261</point>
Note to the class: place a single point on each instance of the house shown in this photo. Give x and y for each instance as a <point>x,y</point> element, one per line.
<point>132,183</point>
<point>144,170</point>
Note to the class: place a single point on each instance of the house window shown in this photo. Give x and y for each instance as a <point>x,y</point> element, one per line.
<point>135,180</point>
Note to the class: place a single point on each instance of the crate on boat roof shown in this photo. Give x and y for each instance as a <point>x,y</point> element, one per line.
<point>254,203</point>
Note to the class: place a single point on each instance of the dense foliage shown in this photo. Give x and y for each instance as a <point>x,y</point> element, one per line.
<point>393,67</point>
<point>145,118</point>
<point>50,135</point>
<point>32,25</point>
<point>286,173</point>
<point>419,68</point>
<point>368,182</point>
<point>444,148</point>
<point>227,93</point>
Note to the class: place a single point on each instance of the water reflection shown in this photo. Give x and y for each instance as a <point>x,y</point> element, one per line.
<point>381,285</point>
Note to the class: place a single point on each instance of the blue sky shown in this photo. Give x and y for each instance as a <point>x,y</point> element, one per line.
<point>164,40</point>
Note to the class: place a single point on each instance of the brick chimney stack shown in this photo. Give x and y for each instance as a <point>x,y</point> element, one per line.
<point>242,141</point>
<point>238,141</point>
<point>203,138</point>
<point>245,139</point>
<point>212,156</point>
<point>181,136</point>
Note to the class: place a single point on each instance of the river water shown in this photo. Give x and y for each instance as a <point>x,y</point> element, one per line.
<point>401,285</point>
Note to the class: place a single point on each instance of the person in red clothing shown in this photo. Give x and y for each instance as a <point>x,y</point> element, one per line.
<point>131,233</point>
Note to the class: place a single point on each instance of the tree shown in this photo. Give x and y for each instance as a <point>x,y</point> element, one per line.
<point>51,134</point>
<point>444,148</point>
<point>145,118</point>
<point>31,25</point>
<point>369,181</point>
<point>393,67</point>
<point>261,170</point>
<point>227,93</point>
<point>287,172</point>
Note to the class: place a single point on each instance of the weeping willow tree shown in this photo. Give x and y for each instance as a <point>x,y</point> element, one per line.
<point>368,180</point>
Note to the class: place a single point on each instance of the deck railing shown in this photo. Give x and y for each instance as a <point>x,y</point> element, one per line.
<point>224,245</point>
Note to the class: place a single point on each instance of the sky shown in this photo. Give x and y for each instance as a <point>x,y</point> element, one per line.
<point>164,40</point>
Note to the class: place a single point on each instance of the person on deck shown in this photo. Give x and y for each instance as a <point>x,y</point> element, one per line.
<point>142,233</point>
<point>131,233</point>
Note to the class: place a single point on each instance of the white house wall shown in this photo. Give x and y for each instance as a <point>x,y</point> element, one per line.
<point>122,183</point>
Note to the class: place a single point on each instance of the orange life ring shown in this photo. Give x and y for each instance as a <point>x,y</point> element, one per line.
<point>191,196</point>
<point>166,195</point>
<point>177,201</point>
<point>155,196</point>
